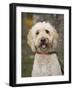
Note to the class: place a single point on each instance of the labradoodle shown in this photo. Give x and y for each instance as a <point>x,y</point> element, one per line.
<point>42,38</point>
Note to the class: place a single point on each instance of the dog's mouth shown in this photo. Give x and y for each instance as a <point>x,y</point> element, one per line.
<point>43,46</point>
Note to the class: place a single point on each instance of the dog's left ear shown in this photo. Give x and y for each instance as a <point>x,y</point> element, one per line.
<point>55,39</point>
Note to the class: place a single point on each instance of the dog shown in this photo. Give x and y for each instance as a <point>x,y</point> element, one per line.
<point>43,38</point>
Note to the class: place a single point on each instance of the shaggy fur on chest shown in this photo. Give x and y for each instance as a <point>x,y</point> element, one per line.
<point>46,65</point>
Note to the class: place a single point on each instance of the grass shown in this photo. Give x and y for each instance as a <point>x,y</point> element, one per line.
<point>27,64</point>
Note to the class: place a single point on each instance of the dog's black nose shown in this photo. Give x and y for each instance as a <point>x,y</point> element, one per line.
<point>43,40</point>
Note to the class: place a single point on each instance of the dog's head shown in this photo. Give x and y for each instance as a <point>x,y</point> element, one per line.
<point>42,37</point>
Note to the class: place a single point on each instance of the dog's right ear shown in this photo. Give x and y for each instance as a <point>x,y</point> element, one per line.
<point>55,39</point>
<point>30,41</point>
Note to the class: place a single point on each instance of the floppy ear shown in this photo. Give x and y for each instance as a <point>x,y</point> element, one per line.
<point>30,41</point>
<point>55,39</point>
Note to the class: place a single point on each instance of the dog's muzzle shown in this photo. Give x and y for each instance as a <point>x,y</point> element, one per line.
<point>44,43</point>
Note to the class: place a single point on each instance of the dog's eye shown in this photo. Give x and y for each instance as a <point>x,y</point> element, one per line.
<point>47,31</point>
<point>37,32</point>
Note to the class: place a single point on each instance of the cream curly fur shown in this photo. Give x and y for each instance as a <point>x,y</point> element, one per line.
<point>44,64</point>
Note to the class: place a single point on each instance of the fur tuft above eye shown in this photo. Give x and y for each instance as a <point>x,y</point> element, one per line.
<point>47,31</point>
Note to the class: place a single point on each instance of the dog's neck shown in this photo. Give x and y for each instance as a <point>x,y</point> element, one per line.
<point>44,58</point>
<point>46,53</point>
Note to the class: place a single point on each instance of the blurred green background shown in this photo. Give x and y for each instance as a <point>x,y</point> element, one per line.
<point>28,20</point>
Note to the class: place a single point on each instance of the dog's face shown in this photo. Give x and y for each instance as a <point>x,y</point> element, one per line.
<point>42,37</point>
